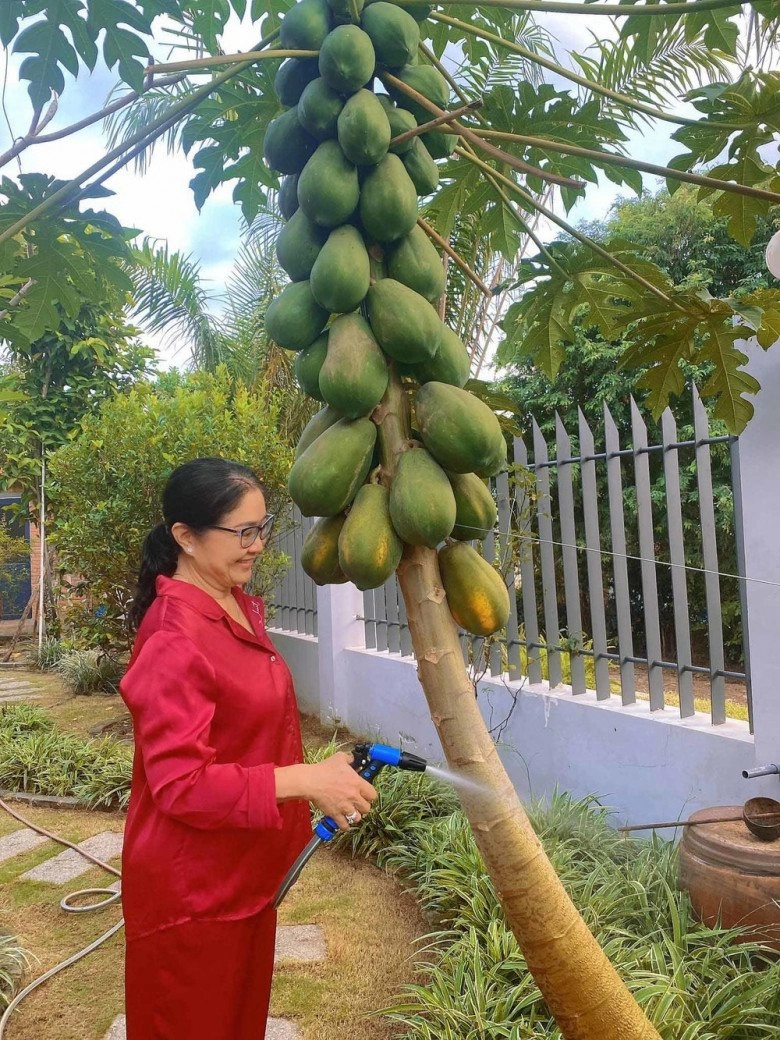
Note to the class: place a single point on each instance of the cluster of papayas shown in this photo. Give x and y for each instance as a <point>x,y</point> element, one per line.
<point>364,283</point>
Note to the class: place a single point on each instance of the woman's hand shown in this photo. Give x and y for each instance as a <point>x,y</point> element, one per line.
<point>332,785</point>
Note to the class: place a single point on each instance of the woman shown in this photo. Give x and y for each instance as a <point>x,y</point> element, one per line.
<point>218,807</point>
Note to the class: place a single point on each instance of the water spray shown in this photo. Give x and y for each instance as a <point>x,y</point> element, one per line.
<point>368,760</point>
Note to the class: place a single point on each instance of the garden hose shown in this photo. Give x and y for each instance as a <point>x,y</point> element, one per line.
<point>108,895</point>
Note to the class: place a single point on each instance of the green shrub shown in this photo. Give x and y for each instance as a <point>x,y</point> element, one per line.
<point>14,961</point>
<point>90,671</point>
<point>48,655</point>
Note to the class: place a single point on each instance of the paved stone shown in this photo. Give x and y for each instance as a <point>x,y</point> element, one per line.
<point>118,1030</point>
<point>69,864</point>
<point>17,842</point>
<point>300,942</point>
<point>6,698</point>
<point>281,1029</point>
<point>15,684</point>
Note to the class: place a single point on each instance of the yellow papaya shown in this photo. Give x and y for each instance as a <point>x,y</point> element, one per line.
<point>369,550</point>
<point>422,502</point>
<point>459,430</point>
<point>325,478</point>
<point>320,551</point>
<point>476,593</point>
<point>475,507</point>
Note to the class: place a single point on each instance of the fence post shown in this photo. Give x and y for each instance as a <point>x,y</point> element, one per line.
<point>339,627</point>
<point>759,491</point>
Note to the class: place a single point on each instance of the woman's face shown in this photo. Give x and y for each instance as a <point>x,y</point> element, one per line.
<point>215,558</point>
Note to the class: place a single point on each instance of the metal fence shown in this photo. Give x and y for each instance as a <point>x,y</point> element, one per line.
<point>294,602</point>
<point>624,564</point>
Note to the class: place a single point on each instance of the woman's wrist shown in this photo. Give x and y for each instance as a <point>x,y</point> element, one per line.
<point>292,782</point>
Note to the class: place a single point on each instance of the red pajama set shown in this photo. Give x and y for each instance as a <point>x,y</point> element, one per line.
<point>206,843</point>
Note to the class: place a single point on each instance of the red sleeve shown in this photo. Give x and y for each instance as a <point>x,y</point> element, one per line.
<point>169,691</point>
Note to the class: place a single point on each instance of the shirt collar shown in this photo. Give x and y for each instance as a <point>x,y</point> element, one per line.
<point>189,594</point>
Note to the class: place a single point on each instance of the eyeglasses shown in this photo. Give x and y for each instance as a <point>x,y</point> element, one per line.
<point>249,535</point>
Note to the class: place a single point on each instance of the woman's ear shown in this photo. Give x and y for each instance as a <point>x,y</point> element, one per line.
<point>184,538</point>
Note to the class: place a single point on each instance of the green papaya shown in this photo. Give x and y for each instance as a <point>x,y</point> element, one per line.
<point>347,59</point>
<point>422,502</point>
<point>325,478</point>
<point>401,121</point>
<point>414,261</point>
<point>422,170</point>
<point>294,319</point>
<point>341,273</point>
<point>459,430</point>
<point>388,201</point>
<point>404,323</point>
<point>288,196</point>
<point>439,144</point>
<point>305,26</point>
<point>426,80</point>
<point>354,375</point>
<point>292,77</point>
<point>450,364</point>
<point>476,593</point>
<point>298,245</point>
<point>319,108</point>
<point>318,423</point>
<point>394,34</point>
<point>320,551</point>
<point>363,129</point>
<point>369,548</point>
<point>308,363</point>
<point>475,507</point>
<point>345,10</point>
<point>328,188</point>
<point>286,145</point>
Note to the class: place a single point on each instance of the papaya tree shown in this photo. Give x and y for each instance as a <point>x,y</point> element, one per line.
<point>390,123</point>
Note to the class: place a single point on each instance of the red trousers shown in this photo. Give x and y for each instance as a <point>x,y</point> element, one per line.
<point>204,980</point>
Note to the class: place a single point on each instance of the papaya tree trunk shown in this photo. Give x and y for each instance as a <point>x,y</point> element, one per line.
<point>582,989</point>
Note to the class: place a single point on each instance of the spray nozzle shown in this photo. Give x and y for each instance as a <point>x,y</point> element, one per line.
<point>383,754</point>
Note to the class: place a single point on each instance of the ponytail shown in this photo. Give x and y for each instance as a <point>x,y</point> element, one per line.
<point>160,555</point>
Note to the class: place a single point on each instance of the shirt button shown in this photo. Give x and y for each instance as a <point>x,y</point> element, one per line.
<point>273,657</point>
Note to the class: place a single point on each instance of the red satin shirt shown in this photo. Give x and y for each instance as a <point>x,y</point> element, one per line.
<point>214,712</point>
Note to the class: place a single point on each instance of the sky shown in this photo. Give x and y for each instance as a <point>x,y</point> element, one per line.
<point>160,202</point>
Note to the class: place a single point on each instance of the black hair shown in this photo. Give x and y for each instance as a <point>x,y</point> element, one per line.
<point>199,494</point>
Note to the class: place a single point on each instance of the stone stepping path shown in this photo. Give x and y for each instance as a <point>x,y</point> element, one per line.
<point>12,688</point>
<point>17,842</point>
<point>276,1029</point>
<point>69,864</point>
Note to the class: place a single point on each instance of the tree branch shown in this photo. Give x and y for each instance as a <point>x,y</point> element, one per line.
<point>442,243</point>
<point>229,59</point>
<point>613,10</point>
<point>15,299</point>
<point>448,117</point>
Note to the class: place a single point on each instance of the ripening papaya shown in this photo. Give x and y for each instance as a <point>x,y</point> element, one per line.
<point>286,146</point>
<point>394,34</point>
<point>476,593</point>
<point>388,201</point>
<point>354,374</point>
<point>363,129</point>
<point>422,502</point>
<point>450,364</point>
<point>319,423</point>
<point>298,245</point>
<point>305,26</point>
<point>325,478</point>
<point>423,171</point>
<point>347,59</point>
<point>295,319</point>
<point>475,507</point>
<point>426,80</point>
<point>341,272</point>
<point>405,325</point>
<point>320,551</point>
<point>319,107</point>
<point>459,430</point>
<point>414,261</point>
<point>401,121</point>
<point>369,549</point>
<point>288,196</point>
<point>308,363</point>
<point>328,188</point>
<point>292,77</point>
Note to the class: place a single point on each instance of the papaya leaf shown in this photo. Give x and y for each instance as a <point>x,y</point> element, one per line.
<point>767,303</point>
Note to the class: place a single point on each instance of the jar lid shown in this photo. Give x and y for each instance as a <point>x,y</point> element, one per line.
<point>731,844</point>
